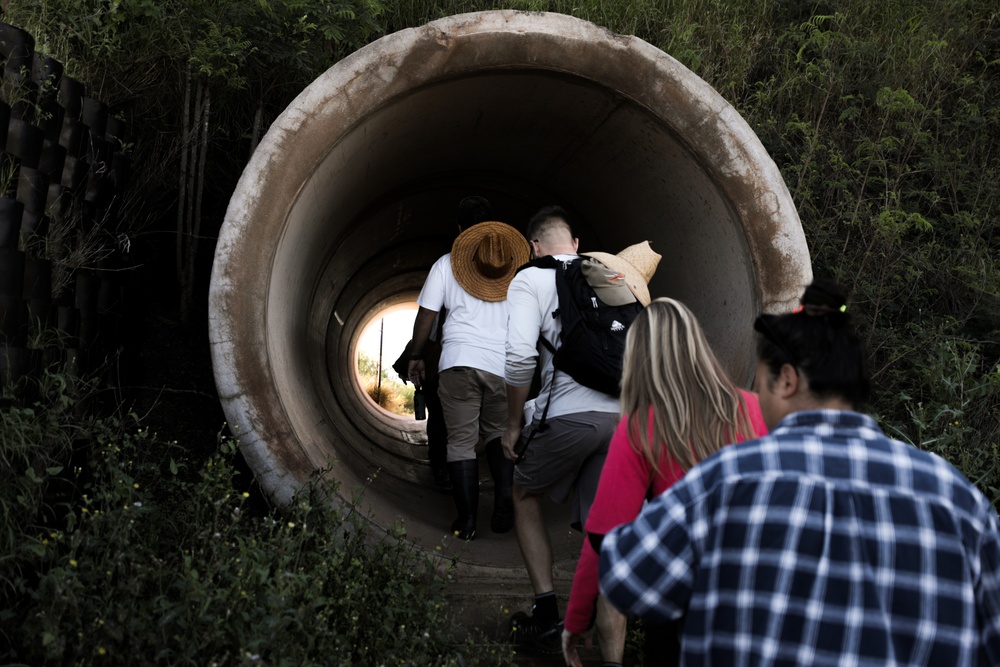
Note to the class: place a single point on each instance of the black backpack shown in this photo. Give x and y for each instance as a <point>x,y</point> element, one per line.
<point>592,340</point>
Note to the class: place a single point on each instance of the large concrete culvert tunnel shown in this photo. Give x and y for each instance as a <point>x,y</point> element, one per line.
<point>351,196</point>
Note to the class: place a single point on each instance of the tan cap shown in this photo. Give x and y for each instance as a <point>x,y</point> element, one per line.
<point>637,262</point>
<point>608,284</point>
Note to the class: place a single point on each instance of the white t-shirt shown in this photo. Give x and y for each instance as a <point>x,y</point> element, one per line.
<point>474,330</point>
<point>531,300</point>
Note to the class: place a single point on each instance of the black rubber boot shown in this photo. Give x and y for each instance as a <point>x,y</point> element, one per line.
<point>465,480</point>
<point>502,471</point>
<point>437,438</point>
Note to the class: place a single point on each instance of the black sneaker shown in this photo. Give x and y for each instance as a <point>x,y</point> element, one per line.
<point>533,637</point>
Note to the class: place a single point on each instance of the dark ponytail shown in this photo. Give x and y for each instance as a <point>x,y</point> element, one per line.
<point>818,340</point>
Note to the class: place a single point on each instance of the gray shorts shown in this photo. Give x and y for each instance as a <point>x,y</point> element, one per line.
<point>564,461</point>
<point>474,404</point>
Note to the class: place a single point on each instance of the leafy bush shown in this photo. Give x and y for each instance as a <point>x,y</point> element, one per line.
<point>952,411</point>
<point>884,121</point>
<point>144,561</point>
<point>393,396</point>
<point>36,446</point>
<point>390,393</point>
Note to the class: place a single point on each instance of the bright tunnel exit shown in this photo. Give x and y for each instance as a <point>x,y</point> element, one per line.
<point>382,341</point>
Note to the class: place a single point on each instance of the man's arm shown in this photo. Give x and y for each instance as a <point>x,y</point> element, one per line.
<point>516,396</point>
<point>646,566</point>
<point>423,324</point>
<point>523,327</point>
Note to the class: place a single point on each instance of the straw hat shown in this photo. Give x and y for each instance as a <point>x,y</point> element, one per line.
<point>637,262</point>
<point>485,257</point>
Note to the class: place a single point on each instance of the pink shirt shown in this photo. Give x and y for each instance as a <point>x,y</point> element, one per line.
<point>625,480</point>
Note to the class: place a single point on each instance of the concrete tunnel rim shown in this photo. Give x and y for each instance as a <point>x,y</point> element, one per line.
<point>228,297</point>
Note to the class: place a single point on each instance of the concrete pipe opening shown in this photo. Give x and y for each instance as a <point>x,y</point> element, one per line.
<point>351,196</point>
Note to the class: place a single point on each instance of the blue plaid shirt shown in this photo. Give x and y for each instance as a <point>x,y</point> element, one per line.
<point>824,543</point>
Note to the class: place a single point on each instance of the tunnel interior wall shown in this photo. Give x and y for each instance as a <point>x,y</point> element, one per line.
<point>351,197</point>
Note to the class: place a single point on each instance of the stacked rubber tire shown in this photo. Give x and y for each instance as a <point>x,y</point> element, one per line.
<point>63,171</point>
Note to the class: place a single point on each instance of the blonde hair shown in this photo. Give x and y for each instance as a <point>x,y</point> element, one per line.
<point>670,367</point>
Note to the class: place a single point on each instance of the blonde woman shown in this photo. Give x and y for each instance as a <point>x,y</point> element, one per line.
<point>678,406</point>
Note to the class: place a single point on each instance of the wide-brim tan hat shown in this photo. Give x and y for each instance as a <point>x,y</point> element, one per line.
<point>485,257</point>
<point>638,262</point>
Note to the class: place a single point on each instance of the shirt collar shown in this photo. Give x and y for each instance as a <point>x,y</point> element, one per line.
<point>833,418</point>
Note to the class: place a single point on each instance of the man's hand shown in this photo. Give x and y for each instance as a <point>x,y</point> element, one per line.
<point>516,396</point>
<point>415,372</point>
<point>422,325</point>
<point>509,442</point>
<point>570,642</point>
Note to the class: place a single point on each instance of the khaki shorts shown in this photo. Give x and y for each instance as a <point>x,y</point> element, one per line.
<point>474,403</point>
<point>564,461</point>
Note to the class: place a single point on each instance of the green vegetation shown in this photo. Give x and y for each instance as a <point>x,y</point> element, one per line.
<point>115,552</point>
<point>197,81</point>
<point>390,392</point>
<point>884,118</point>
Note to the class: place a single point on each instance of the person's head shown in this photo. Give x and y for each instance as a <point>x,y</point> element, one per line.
<point>670,366</point>
<point>549,233</point>
<point>473,210</point>
<point>810,358</point>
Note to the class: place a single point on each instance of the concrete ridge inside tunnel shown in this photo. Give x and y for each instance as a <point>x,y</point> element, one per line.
<point>351,196</point>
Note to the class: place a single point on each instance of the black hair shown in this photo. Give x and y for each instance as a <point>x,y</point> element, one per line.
<point>473,210</point>
<point>818,340</point>
<point>546,215</point>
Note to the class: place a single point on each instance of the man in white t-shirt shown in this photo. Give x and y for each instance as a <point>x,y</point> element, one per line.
<point>471,283</point>
<point>564,460</point>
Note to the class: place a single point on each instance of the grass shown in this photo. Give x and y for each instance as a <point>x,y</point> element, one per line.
<point>390,393</point>
<point>115,551</point>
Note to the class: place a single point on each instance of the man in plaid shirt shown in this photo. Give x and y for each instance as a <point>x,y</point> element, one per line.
<point>823,543</point>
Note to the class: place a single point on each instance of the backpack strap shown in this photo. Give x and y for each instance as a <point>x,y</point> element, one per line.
<point>548,346</point>
<point>549,262</point>
<point>542,427</point>
<point>546,262</point>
